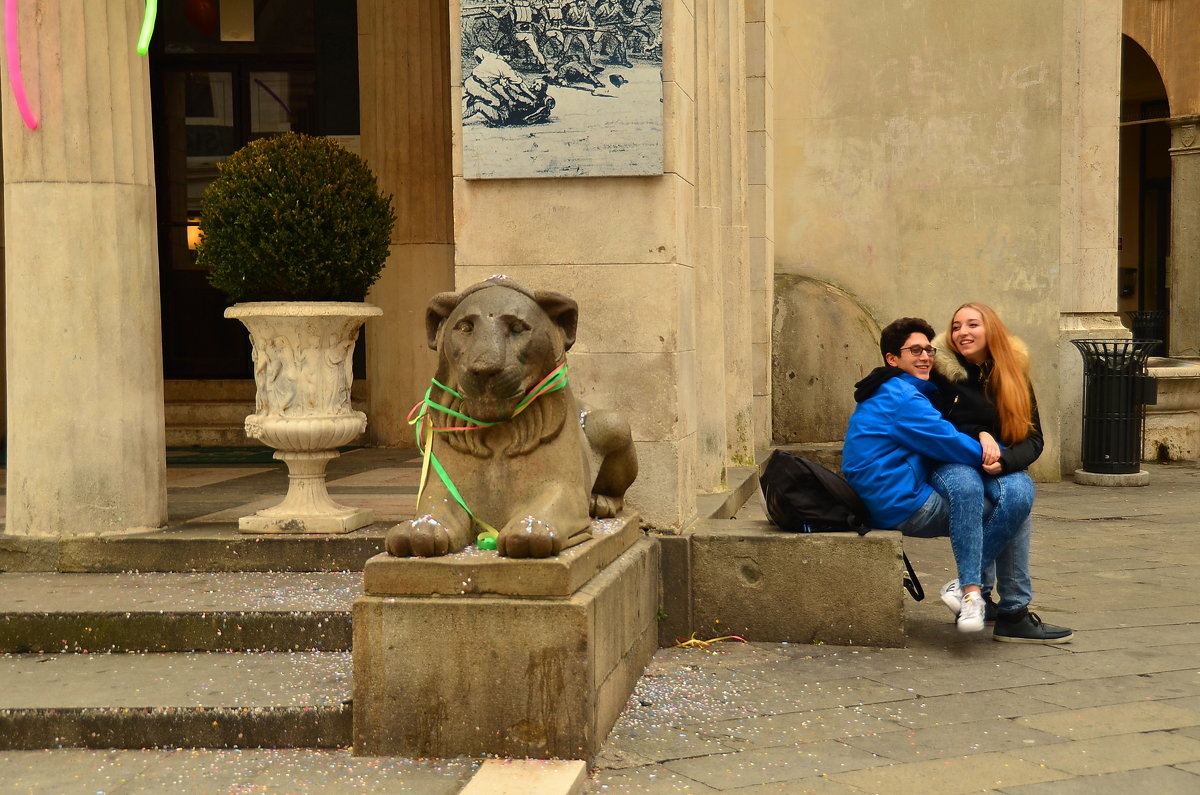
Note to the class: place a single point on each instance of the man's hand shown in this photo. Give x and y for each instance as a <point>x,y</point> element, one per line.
<point>991,450</point>
<point>993,469</point>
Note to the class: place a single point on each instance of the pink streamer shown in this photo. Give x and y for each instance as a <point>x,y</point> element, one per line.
<point>13,53</point>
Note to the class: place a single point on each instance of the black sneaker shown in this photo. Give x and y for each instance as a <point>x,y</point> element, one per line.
<point>1029,628</point>
<point>989,609</point>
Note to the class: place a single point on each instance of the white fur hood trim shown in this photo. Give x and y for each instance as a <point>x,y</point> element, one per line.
<point>946,363</point>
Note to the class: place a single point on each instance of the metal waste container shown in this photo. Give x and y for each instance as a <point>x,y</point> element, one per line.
<point>1115,387</point>
<point>1150,324</point>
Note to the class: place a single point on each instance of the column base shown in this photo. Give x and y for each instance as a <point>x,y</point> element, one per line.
<point>1139,478</point>
<point>343,522</point>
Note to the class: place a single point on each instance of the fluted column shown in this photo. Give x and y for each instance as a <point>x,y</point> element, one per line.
<point>404,56</point>
<point>85,412</point>
<point>1185,237</point>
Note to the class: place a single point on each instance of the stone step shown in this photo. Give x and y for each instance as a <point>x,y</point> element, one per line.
<point>216,413</point>
<point>199,547</point>
<point>178,700</point>
<point>209,436</point>
<point>208,413</point>
<point>165,612</point>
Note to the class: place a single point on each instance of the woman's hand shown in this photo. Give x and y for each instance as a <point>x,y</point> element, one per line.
<point>993,469</point>
<point>991,450</point>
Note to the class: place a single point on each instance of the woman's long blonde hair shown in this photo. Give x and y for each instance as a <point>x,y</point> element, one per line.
<point>1008,385</point>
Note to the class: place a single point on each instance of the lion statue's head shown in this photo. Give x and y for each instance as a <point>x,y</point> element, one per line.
<point>495,341</point>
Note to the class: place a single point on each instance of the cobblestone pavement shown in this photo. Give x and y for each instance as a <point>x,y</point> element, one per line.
<point>1116,710</point>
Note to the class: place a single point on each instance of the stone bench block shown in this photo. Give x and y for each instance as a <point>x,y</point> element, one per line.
<point>504,675</point>
<point>749,578</point>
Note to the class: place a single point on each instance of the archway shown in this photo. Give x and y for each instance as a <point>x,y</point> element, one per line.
<point>1144,219</point>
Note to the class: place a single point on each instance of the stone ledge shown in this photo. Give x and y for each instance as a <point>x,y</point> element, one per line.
<point>484,572</point>
<point>749,578</point>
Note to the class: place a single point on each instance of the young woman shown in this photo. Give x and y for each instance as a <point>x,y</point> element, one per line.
<point>982,375</point>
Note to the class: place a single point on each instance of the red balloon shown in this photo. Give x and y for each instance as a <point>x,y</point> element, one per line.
<point>203,15</point>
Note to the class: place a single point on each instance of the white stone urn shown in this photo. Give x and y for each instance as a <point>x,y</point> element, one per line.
<point>303,354</point>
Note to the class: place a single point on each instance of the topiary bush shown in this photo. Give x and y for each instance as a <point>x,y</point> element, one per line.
<point>294,218</point>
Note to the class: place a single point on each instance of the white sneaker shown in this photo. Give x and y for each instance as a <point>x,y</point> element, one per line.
<point>970,618</point>
<point>952,596</point>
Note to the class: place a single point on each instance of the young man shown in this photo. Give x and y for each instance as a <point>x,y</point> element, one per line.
<point>898,445</point>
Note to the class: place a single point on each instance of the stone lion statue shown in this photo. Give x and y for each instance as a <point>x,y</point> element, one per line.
<point>525,468</point>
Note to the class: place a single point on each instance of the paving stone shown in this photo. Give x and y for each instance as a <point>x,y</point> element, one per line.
<point>1114,754</point>
<point>804,727</point>
<point>1142,716</point>
<point>784,694</point>
<point>938,681</point>
<point>1132,617</point>
<point>761,766</point>
<point>660,744</point>
<point>651,780</point>
<point>818,785</point>
<point>1132,637</point>
<point>1117,689</point>
<point>959,739</point>
<point>1158,780</point>
<point>1117,662</point>
<point>950,776</point>
<point>957,708</point>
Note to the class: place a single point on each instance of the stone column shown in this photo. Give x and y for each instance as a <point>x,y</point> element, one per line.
<point>760,201</point>
<point>1184,273</point>
<point>405,84</point>
<point>1090,151</point>
<point>85,411</point>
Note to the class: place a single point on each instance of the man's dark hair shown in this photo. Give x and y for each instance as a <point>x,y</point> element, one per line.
<point>896,333</point>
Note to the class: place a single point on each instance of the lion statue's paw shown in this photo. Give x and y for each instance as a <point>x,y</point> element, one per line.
<point>528,537</point>
<point>423,537</point>
<point>604,506</point>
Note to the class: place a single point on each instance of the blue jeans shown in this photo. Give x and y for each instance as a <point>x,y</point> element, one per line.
<point>980,513</point>
<point>1011,567</point>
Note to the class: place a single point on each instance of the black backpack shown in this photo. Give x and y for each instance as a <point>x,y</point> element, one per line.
<point>802,496</point>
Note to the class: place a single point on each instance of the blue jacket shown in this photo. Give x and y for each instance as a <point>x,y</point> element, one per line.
<point>894,438</point>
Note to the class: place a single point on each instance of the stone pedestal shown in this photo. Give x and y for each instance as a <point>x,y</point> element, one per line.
<point>473,654</point>
<point>1173,422</point>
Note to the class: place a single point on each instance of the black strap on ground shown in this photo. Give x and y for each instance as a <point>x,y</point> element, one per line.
<point>911,583</point>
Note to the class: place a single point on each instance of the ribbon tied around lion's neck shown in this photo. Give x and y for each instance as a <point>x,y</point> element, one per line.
<point>420,418</point>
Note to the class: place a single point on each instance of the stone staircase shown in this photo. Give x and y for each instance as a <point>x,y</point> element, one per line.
<point>182,639</point>
<point>212,413</point>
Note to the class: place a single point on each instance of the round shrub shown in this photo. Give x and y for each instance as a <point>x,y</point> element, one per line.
<point>294,218</point>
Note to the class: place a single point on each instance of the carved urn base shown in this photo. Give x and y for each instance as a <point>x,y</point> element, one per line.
<point>303,354</point>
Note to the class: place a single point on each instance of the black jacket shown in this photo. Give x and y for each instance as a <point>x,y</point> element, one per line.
<point>962,399</point>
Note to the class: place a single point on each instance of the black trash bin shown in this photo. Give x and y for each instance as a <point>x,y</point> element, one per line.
<point>1150,324</point>
<point>1115,387</point>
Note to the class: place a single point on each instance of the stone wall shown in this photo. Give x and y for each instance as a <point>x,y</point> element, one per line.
<point>930,154</point>
<point>660,267</point>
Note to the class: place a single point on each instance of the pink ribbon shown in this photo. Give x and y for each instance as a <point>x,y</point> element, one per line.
<point>12,48</point>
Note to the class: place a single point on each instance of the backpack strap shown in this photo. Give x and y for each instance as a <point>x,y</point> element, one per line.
<point>911,583</point>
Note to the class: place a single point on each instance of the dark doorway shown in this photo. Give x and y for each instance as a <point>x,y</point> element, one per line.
<point>298,71</point>
<point>1145,195</point>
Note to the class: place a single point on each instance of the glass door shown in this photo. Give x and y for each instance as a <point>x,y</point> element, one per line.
<point>205,113</point>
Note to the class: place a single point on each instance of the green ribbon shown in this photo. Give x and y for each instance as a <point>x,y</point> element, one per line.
<point>555,380</point>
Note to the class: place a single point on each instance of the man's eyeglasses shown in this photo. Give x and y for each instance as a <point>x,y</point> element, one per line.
<point>917,350</point>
